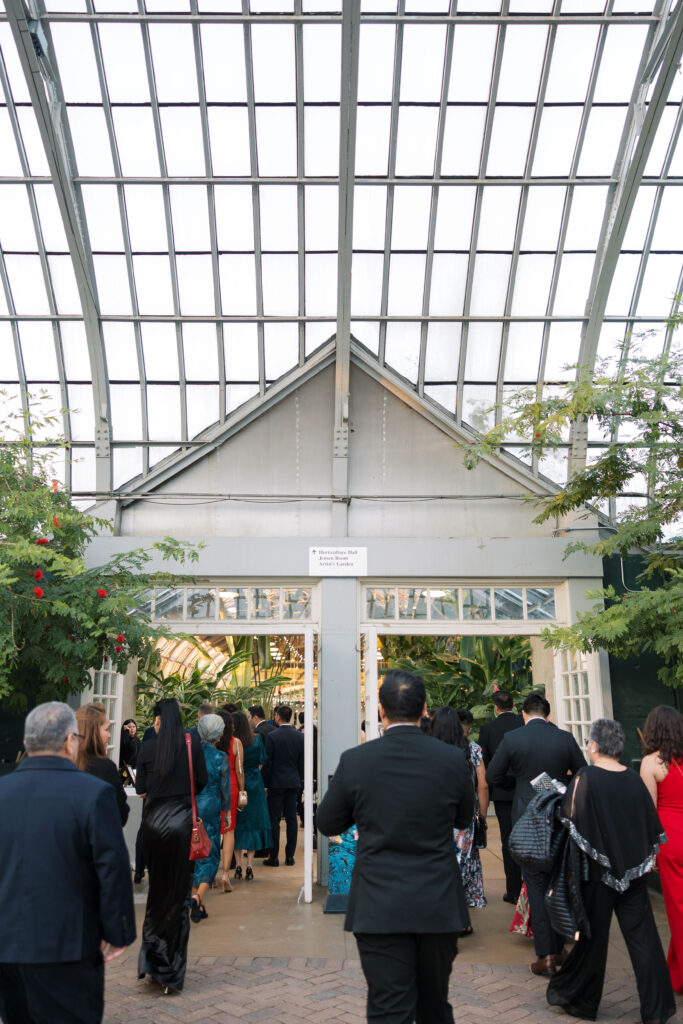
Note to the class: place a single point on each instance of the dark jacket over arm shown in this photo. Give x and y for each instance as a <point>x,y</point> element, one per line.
<point>405,793</point>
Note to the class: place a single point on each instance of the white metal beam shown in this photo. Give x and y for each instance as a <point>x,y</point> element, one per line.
<point>644,122</point>
<point>44,87</point>
<point>347,162</point>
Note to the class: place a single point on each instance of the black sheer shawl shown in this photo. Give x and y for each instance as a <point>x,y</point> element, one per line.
<point>612,818</point>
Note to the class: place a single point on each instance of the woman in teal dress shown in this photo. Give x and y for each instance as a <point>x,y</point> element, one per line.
<point>252,828</point>
<point>214,798</point>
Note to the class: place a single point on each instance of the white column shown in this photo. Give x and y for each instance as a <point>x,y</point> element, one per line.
<point>308,765</point>
<point>371,723</point>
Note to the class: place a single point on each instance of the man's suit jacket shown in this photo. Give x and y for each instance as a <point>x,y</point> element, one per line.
<point>263,729</point>
<point>490,736</point>
<point>406,792</point>
<point>65,881</point>
<point>284,764</point>
<point>525,753</point>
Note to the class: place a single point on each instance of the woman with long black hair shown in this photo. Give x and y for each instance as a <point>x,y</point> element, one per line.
<point>163,777</point>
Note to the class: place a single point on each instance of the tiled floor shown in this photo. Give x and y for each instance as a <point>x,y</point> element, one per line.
<point>262,956</point>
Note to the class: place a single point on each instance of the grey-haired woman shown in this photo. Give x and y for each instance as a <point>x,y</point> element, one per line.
<point>214,798</point>
<point>612,820</point>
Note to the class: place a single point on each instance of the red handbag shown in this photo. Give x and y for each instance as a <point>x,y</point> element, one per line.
<point>200,843</point>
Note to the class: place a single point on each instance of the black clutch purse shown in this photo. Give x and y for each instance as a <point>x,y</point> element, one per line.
<point>481,829</point>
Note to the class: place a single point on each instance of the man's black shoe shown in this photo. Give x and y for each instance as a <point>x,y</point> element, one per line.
<point>508,898</point>
<point>271,863</point>
<point>289,862</point>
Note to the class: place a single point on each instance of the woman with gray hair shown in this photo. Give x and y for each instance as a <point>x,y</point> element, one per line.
<point>214,798</point>
<point>612,820</point>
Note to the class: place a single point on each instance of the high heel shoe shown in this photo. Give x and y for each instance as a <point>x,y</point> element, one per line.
<point>225,878</point>
<point>196,910</point>
<point>249,877</point>
<point>238,873</point>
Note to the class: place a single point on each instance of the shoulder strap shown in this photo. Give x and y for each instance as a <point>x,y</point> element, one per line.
<point>188,742</point>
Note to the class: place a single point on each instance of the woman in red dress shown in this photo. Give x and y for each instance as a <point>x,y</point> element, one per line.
<point>231,746</point>
<point>662,772</point>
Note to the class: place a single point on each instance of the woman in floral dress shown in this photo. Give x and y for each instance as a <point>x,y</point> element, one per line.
<point>448,728</point>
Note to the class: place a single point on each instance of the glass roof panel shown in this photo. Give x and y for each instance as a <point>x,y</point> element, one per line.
<point>229,140</point>
<point>200,351</point>
<point>483,351</point>
<point>175,75</point>
<point>126,82</point>
<point>16,224</point>
<point>135,141</point>
<point>520,71</point>
<point>473,52</point>
<point>422,63</point>
<point>77,66</point>
<point>196,292</point>
<point>281,344</point>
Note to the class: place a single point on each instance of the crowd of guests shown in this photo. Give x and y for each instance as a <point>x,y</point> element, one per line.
<point>607,829</point>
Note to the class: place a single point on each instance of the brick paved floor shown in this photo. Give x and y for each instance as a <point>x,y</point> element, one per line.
<point>290,990</point>
<point>299,966</point>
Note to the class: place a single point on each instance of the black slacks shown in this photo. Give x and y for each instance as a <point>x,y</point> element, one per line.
<point>283,801</point>
<point>407,976</point>
<point>69,993</point>
<point>546,939</point>
<point>513,872</point>
<point>579,983</point>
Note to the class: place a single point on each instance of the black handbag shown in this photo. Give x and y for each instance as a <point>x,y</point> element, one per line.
<point>481,829</point>
<point>534,838</point>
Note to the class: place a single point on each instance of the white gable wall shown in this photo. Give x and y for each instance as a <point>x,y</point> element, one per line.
<point>395,456</point>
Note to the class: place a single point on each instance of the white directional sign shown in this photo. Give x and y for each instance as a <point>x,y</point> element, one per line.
<point>337,561</point>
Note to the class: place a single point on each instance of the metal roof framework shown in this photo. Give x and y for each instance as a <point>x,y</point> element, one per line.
<point>202,202</point>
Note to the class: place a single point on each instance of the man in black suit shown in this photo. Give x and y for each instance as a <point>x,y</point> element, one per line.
<point>525,753</point>
<point>490,736</point>
<point>65,880</point>
<point>283,777</point>
<point>406,792</point>
<point>257,717</point>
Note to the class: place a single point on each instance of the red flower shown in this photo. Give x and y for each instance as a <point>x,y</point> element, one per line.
<point>38,591</point>
<point>118,648</point>
<point>120,638</point>
<point>55,486</point>
<point>537,435</point>
<point>54,520</point>
<point>38,574</point>
<point>42,540</point>
<point>101,592</point>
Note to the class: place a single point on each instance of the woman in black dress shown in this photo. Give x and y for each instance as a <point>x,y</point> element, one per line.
<point>163,777</point>
<point>128,751</point>
<point>612,819</point>
<point>95,731</point>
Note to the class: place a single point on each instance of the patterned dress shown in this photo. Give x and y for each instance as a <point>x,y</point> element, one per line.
<point>469,860</point>
<point>213,799</point>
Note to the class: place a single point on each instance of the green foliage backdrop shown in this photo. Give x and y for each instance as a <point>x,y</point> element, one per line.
<point>58,618</point>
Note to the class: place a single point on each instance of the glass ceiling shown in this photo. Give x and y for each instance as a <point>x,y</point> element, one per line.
<point>170,229</point>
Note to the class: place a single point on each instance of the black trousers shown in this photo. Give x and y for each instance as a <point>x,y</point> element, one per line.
<point>283,801</point>
<point>513,872</point>
<point>407,976</point>
<point>69,993</point>
<point>579,983</point>
<point>546,939</point>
